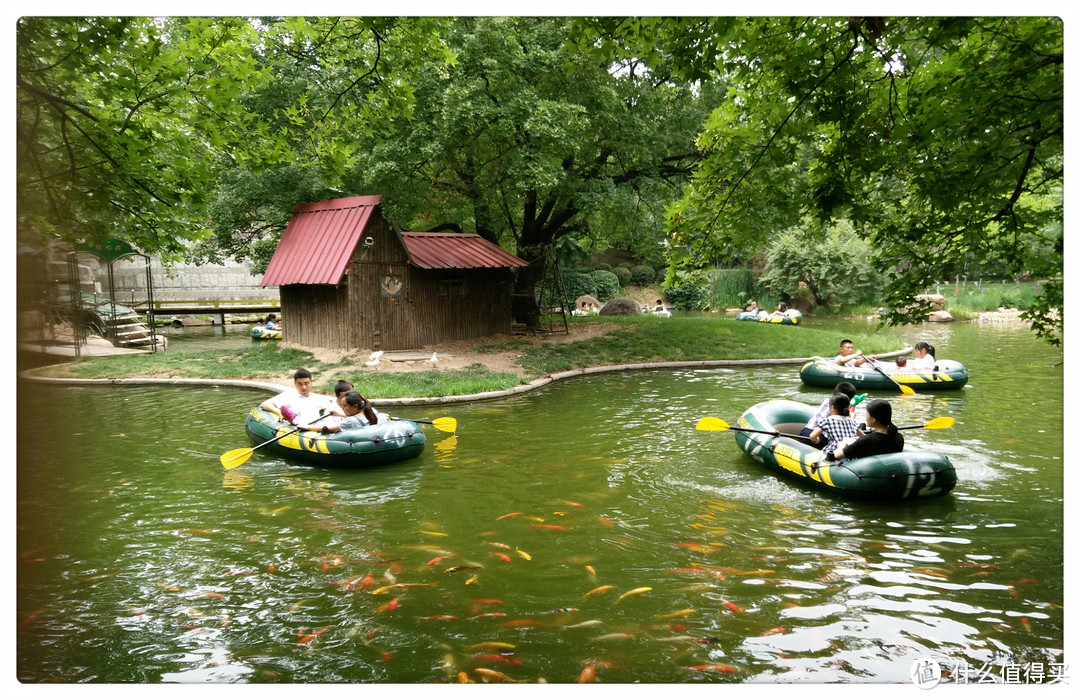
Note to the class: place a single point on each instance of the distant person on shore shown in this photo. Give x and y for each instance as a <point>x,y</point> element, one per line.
<point>883,438</point>
<point>300,405</point>
<point>849,356</point>
<point>272,323</point>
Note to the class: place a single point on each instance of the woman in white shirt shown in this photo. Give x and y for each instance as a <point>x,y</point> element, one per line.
<point>924,356</point>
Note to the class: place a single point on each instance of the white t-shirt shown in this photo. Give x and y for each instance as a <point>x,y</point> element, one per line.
<point>306,406</point>
<point>925,362</point>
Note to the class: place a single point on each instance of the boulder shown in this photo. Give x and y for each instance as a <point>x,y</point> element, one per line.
<point>621,307</point>
<point>581,301</point>
<point>940,317</point>
<point>802,305</point>
<point>937,301</point>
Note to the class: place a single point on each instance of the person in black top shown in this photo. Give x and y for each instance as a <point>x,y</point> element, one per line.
<point>882,438</point>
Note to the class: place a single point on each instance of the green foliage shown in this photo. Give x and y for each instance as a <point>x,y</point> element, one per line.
<point>733,287</point>
<point>688,291</point>
<point>940,136</point>
<point>643,275</point>
<point>606,284</point>
<point>622,274</point>
<point>578,284</point>
<point>833,264</point>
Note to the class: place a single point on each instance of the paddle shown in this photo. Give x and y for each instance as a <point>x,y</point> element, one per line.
<point>904,389</point>
<point>234,458</point>
<point>710,423</point>
<point>935,424</point>
<point>446,424</point>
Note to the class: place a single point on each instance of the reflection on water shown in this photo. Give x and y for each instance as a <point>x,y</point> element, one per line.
<point>584,526</point>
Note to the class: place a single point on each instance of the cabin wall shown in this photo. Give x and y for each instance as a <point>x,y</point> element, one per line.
<point>312,315</point>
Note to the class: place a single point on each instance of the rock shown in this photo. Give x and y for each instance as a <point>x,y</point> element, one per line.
<point>940,317</point>
<point>581,301</point>
<point>621,307</point>
<point>193,321</point>
<point>732,312</point>
<point>802,305</point>
<point>937,301</point>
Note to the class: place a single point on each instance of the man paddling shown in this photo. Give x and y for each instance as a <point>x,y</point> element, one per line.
<point>299,405</point>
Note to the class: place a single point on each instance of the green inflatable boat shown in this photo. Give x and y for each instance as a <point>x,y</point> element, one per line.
<point>906,475</point>
<point>264,333</point>
<point>794,319</point>
<point>818,371</point>
<point>392,441</point>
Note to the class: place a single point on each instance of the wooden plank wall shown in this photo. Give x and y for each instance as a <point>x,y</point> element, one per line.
<point>436,305</point>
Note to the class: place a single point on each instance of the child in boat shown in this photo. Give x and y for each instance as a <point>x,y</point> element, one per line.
<point>838,427</point>
<point>883,438</point>
<point>340,388</point>
<point>358,413</point>
<point>924,356</point>
<point>846,388</point>
<point>272,323</point>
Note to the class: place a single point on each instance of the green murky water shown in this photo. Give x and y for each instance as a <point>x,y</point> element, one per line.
<point>140,560</point>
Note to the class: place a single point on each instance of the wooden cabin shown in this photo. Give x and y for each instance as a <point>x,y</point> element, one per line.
<point>350,280</point>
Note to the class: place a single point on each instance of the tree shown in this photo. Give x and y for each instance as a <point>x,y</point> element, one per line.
<point>525,143</point>
<point>941,137</point>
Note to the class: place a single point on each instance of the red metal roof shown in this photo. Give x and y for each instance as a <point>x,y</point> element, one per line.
<point>318,241</point>
<point>456,250</point>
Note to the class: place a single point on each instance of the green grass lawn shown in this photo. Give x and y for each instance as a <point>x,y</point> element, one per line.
<point>632,340</point>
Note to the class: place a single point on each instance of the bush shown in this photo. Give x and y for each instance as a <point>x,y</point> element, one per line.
<point>732,287</point>
<point>642,275</point>
<point>607,285</point>
<point>578,284</point>
<point>687,296</point>
<point>623,273</point>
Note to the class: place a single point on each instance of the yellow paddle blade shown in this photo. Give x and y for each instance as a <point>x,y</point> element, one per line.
<point>710,423</point>
<point>943,422</point>
<point>447,425</point>
<point>234,458</point>
<point>906,390</point>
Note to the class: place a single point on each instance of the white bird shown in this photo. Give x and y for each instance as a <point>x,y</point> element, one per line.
<point>375,357</point>
<point>434,361</point>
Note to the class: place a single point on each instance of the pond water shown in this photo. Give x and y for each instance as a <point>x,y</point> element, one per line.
<point>140,560</point>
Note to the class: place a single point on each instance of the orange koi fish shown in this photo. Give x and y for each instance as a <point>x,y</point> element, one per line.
<point>523,623</point>
<point>168,587</point>
<point>715,667</point>
<point>592,571</point>
<point>571,503</point>
<point>500,545</point>
<point>463,677</point>
<point>211,594</point>
<point>587,675</point>
<point>489,675</point>
<point>500,555</point>
<point>597,590</point>
<point>509,515</point>
<point>774,630</point>
<point>1026,623</point>
<point>1023,582</point>
<point>392,605</point>
<point>31,617</point>
<point>498,658</point>
<point>436,560</point>
<point>548,527</point>
<point>688,570</point>
<point>310,637</point>
<point>486,601</point>
<point>608,522</point>
<point>271,569</point>
<point>731,606</point>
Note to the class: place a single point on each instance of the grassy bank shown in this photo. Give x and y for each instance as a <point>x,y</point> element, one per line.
<point>630,340</point>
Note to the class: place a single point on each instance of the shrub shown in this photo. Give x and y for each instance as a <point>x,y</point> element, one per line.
<point>607,285</point>
<point>642,275</point>
<point>687,296</point>
<point>732,287</point>
<point>578,284</point>
<point>623,273</point>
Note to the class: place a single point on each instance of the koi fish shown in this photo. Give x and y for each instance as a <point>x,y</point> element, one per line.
<point>534,518</point>
<point>489,675</point>
<point>500,555</point>
<point>613,636</point>
<point>99,576</point>
<point>509,515</point>
<point>440,617</point>
<point>197,531</point>
<point>774,630</point>
<point>592,571</point>
<point>680,613</point>
<point>211,594</point>
<point>523,555</point>
<point>434,534</point>
<point>571,503</point>
<point>688,570</point>
<point>500,545</point>
<point>731,606</point>
<point>436,560</point>
<point>1023,581</point>
<point>311,637</point>
<point>384,589</point>
<point>31,617</point>
<point>463,677</point>
<point>548,527</point>
<point>715,667</point>
<point>497,646</point>
<point>168,587</point>
<point>587,623</point>
<point>387,561</point>
<point>486,601</point>
<point>392,605</point>
<point>608,522</point>
<point>488,614</point>
<point>471,580</point>
<point>498,658</point>
<point>461,567</point>
<point>560,611</point>
<point>1026,623</point>
<point>523,623</point>
<point>271,569</point>
<point>587,675</point>
<point>597,590</point>
<point>680,638</point>
<point>636,591</point>
<point>757,572</point>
